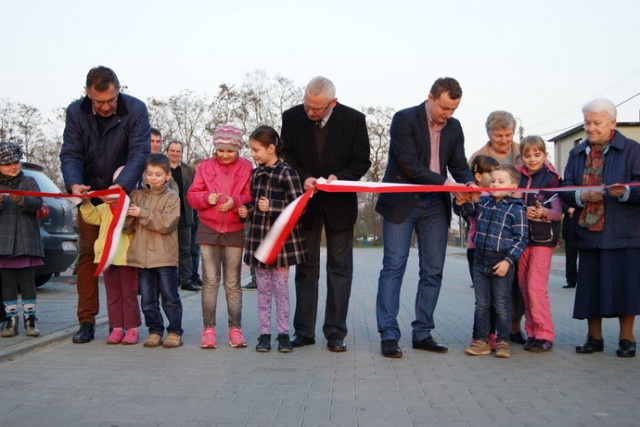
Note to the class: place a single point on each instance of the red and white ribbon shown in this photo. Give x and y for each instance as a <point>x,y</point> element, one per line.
<point>268,250</point>
<point>115,227</point>
<point>114,233</point>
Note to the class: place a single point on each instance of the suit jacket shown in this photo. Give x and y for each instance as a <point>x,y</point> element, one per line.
<point>409,157</point>
<point>187,174</point>
<point>346,155</point>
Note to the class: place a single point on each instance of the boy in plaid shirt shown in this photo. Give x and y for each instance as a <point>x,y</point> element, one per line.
<point>501,237</point>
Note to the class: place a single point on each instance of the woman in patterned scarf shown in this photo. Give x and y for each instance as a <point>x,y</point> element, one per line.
<point>606,227</point>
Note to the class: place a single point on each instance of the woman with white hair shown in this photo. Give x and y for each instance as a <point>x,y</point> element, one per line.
<point>606,226</point>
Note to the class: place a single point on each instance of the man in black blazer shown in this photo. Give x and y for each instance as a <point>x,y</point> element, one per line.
<point>322,138</point>
<point>426,142</point>
<point>182,176</point>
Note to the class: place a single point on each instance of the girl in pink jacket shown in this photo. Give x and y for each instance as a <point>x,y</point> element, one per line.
<point>219,188</point>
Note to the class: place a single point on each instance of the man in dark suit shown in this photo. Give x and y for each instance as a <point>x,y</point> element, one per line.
<point>322,138</point>
<point>426,142</point>
<point>182,176</point>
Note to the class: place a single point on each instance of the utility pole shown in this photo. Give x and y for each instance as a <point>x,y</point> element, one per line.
<point>520,129</point>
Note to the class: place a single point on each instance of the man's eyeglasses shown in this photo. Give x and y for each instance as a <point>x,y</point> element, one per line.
<point>316,109</point>
<point>98,102</point>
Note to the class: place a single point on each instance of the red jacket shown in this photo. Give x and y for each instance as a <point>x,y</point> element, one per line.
<point>230,180</point>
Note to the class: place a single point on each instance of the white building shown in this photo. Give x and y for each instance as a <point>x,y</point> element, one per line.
<point>565,142</point>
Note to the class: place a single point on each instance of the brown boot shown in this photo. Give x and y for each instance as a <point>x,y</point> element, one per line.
<point>173,340</point>
<point>153,340</point>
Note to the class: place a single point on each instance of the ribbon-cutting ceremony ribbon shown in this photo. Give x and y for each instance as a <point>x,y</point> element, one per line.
<point>115,227</point>
<point>268,250</point>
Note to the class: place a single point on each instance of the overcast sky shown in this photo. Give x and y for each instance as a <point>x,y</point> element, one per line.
<point>541,60</point>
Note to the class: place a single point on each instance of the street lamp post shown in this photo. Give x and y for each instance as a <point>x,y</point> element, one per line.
<point>520,129</point>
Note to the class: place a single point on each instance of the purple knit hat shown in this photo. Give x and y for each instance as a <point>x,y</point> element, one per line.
<point>228,137</point>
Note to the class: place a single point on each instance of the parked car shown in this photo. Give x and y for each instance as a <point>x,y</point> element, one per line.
<point>58,219</point>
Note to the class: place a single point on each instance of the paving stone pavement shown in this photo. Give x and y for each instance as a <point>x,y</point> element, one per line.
<point>50,381</point>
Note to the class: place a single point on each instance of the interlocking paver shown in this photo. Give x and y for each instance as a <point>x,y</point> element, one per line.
<point>50,381</point>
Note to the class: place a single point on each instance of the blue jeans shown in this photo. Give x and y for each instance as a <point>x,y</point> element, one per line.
<point>156,283</point>
<point>429,220</point>
<point>491,290</point>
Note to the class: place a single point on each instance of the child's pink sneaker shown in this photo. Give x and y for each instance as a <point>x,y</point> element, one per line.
<point>131,337</point>
<point>492,341</point>
<point>116,336</point>
<point>236,339</point>
<point>208,338</point>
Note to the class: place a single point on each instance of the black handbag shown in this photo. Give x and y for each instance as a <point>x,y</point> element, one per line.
<point>541,231</point>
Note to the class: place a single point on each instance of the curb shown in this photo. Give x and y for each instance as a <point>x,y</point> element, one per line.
<point>17,350</point>
<point>54,338</point>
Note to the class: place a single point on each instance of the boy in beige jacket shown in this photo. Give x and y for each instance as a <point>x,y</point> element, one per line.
<point>152,220</point>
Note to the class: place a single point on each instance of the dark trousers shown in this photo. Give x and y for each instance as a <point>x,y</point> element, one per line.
<point>339,276</point>
<point>571,263</point>
<point>87,286</point>
<point>14,281</point>
<point>195,249</point>
<point>571,251</point>
<point>2,315</point>
<point>184,252</point>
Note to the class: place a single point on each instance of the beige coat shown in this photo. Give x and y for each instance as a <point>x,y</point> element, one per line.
<point>154,233</point>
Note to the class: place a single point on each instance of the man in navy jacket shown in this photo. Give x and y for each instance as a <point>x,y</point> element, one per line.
<point>426,142</point>
<point>104,130</point>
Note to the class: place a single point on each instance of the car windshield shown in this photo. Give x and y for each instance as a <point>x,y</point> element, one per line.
<point>45,184</point>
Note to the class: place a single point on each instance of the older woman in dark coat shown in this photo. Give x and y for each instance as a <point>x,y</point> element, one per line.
<point>607,227</point>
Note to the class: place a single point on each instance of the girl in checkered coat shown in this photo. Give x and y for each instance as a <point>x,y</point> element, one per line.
<point>274,184</point>
<point>20,246</point>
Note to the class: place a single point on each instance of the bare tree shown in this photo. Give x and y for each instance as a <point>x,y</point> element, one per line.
<point>190,117</point>
<point>378,122</point>
<point>21,124</point>
<point>48,155</point>
<point>183,117</point>
<point>258,100</point>
<point>29,130</point>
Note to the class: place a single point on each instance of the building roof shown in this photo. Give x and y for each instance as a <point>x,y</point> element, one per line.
<point>577,128</point>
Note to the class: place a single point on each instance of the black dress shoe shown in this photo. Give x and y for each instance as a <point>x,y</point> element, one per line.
<point>335,343</point>
<point>85,333</point>
<point>300,341</point>
<point>189,287</point>
<point>390,348</point>
<point>569,285</point>
<point>251,286</point>
<point>517,338</point>
<point>626,348</point>
<point>429,344</point>
<point>590,345</point>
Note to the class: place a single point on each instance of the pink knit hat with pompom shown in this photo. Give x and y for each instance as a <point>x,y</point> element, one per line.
<point>228,137</point>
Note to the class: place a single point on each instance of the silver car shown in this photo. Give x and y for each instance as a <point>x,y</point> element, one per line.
<point>58,219</point>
